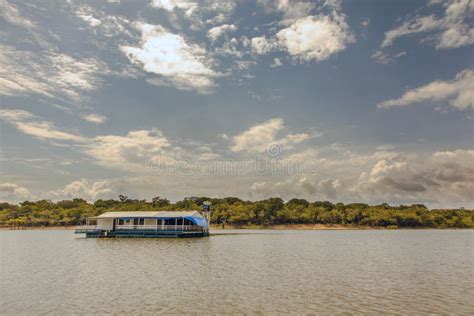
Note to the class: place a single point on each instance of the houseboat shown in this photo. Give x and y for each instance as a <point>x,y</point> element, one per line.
<point>148,224</point>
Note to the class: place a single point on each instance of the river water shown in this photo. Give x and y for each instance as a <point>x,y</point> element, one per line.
<point>239,272</point>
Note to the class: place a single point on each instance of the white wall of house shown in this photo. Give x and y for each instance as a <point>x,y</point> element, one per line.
<point>105,223</point>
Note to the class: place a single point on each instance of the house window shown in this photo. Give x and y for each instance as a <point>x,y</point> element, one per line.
<point>188,222</point>
<point>138,221</point>
<point>120,221</point>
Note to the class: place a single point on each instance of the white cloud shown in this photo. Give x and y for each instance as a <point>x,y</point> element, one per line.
<point>261,45</point>
<point>217,11</point>
<point>10,13</point>
<point>276,63</point>
<point>89,19</point>
<point>299,186</point>
<point>179,63</point>
<point>245,64</point>
<point>32,125</point>
<point>458,92</point>
<point>329,188</point>
<point>315,37</point>
<point>231,48</point>
<point>169,5</point>
<point>103,24</point>
<point>15,115</point>
<point>49,74</point>
<point>416,25</point>
<point>258,187</point>
<point>84,189</point>
<point>451,30</point>
<point>440,177</point>
<point>132,152</point>
<point>259,137</point>
<point>199,15</point>
<point>291,9</point>
<point>365,22</point>
<point>214,33</point>
<point>14,192</point>
<point>95,118</point>
<point>384,58</point>
<point>223,136</point>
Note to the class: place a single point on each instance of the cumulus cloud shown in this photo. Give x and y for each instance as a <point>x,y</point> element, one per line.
<point>458,92</point>
<point>450,30</point>
<point>14,192</point>
<point>291,9</point>
<point>130,152</point>
<point>179,63</point>
<point>259,137</point>
<point>298,186</point>
<point>305,37</point>
<point>261,45</point>
<point>232,48</point>
<point>440,177</point>
<point>199,14</point>
<point>315,37</point>
<point>329,187</point>
<point>214,33</point>
<point>85,189</point>
<point>169,5</point>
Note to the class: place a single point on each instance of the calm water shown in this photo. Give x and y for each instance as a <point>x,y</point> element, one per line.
<point>244,272</point>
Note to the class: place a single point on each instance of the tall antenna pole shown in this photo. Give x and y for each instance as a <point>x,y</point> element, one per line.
<point>206,209</point>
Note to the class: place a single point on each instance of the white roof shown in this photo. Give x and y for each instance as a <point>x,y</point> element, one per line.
<point>154,214</point>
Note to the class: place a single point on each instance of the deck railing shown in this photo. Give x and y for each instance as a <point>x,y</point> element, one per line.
<point>160,227</point>
<point>87,228</point>
<point>91,228</point>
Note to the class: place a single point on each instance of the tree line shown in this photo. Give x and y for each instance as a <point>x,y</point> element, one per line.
<point>240,213</point>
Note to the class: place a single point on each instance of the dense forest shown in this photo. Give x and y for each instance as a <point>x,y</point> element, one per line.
<point>240,213</point>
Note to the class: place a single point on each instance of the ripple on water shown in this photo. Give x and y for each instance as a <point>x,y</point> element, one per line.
<point>239,272</point>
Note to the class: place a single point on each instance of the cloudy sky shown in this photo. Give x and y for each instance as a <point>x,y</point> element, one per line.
<point>355,101</point>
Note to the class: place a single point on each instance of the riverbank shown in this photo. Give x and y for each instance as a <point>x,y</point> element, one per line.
<point>40,228</point>
<point>219,227</point>
<point>290,227</point>
<point>215,227</point>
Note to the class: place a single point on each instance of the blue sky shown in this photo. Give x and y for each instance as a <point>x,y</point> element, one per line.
<point>367,101</point>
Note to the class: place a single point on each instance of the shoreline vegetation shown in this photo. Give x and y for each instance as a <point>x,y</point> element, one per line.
<point>234,213</point>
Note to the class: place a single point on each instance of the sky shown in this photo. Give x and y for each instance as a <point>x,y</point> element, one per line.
<point>348,101</point>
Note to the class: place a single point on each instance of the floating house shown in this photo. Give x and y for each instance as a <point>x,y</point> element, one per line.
<point>148,224</point>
